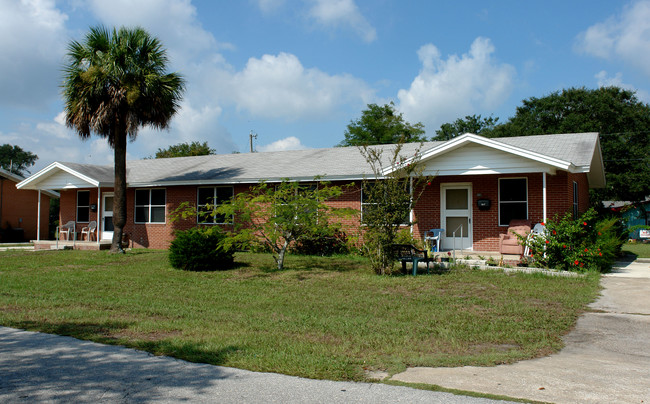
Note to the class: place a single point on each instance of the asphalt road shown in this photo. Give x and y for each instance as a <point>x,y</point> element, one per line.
<point>37,367</point>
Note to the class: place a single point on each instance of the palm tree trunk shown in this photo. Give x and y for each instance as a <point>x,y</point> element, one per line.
<point>119,192</point>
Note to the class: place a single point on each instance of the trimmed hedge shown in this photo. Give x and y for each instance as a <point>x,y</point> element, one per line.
<point>323,241</point>
<point>201,249</point>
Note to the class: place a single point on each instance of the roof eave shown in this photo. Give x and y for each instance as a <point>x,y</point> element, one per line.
<point>472,138</point>
<point>32,181</point>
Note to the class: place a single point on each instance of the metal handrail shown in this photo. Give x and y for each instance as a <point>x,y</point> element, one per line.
<point>453,235</point>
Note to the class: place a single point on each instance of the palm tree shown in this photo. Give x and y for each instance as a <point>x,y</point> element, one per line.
<point>114,83</point>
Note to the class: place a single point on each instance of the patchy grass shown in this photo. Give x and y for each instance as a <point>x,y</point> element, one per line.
<point>640,250</point>
<point>329,318</point>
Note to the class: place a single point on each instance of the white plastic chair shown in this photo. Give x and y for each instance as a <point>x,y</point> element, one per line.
<point>539,230</point>
<point>66,229</point>
<point>89,231</point>
<point>433,238</point>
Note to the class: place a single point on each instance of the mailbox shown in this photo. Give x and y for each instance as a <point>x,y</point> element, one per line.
<point>483,204</point>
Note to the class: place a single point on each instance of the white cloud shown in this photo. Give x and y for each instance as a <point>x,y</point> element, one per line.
<point>56,128</point>
<point>53,141</point>
<point>447,89</point>
<point>174,22</point>
<point>345,13</point>
<point>268,6</point>
<point>606,81</point>
<point>624,37</point>
<point>32,40</point>
<point>280,87</point>
<point>188,125</point>
<point>288,143</point>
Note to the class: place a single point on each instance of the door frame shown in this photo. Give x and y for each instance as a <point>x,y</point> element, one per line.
<point>105,234</point>
<point>468,240</point>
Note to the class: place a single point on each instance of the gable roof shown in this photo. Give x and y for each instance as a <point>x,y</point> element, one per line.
<point>571,152</point>
<point>575,152</point>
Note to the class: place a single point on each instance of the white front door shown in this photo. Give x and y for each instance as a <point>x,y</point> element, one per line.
<point>456,215</point>
<point>107,217</point>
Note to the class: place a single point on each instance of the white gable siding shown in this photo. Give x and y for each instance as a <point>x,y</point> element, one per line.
<point>477,159</point>
<point>61,180</point>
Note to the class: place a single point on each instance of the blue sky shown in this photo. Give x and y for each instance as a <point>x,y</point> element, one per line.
<point>296,72</point>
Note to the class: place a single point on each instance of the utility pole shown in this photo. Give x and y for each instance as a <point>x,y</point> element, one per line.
<point>252,136</point>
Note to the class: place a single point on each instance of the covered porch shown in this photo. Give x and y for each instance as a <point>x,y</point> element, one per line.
<point>87,199</point>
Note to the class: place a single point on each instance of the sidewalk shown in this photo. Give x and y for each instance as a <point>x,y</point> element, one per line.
<point>606,358</point>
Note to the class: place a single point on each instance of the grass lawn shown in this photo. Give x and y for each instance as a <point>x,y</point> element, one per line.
<point>639,249</point>
<point>329,318</point>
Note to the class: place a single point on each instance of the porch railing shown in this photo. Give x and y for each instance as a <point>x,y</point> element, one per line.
<point>453,235</point>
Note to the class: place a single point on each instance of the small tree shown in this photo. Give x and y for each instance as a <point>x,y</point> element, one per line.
<point>275,214</point>
<point>388,199</point>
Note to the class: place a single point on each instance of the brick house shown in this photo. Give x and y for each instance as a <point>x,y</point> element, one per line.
<point>24,211</point>
<point>479,184</point>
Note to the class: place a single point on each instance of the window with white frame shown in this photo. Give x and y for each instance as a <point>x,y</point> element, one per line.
<point>83,206</point>
<point>150,205</point>
<point>368,202</point>
<point>301,190</point>
<point>513,200</point>
<point>210,197</point>
<point>575,200</point>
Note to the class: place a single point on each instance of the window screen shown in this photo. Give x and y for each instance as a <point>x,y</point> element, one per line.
<point>513,199</point>
<point>83,206</point>
<point>213,196</point>
<point>150,205</point>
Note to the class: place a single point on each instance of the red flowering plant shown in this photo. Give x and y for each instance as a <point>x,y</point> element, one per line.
<point>582,244</point>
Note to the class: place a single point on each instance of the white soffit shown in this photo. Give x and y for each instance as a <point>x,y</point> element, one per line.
<point>475,159</point>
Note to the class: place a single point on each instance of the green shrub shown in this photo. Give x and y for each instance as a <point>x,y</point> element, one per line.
<point>201,249</point>
<point>578,245</point>
<point>404,236</point>
<point>323,241</point>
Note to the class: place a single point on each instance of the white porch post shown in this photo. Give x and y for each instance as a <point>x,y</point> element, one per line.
<point>99,196</point>
<point>544,195</point>
<point>99,211</point>
<point>38,217</point>
<point>411,215</point>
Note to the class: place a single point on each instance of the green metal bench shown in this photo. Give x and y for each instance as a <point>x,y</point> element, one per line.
<point>408,253</point>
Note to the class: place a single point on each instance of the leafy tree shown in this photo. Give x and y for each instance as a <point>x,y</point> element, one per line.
<point>382,125</point>
<point>388,200</point>
<point>470,124</point>
<point>621,119</point>
<point>114,83</point>
<point>15,159</point>
<point>185,150</point>
<point>275,215</point>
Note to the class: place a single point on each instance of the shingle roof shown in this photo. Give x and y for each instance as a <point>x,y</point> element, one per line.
<point>576,148</point>
<point>333,163</point>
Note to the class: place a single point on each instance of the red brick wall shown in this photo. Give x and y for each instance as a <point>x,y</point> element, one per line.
<point>427,213</point>
<point>23,204</point>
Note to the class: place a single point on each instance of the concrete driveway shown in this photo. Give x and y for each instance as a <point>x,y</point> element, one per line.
<point>606,358</point>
